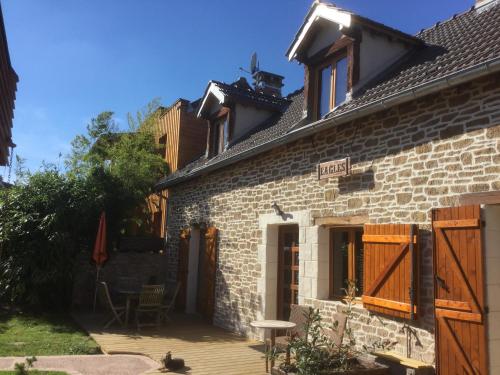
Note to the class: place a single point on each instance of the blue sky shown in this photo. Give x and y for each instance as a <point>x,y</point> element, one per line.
<point>76,58</point>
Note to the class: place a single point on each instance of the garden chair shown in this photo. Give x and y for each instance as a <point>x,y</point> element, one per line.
<point>168,306</point>
<point>337,335</point>
<point>298,315</point>
<point>150,303</point>
<point>116,312</point>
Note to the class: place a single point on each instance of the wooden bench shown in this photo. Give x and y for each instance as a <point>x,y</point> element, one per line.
<point>401,365</point>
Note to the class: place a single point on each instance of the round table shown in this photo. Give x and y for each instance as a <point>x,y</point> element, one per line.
<point>272,325</point>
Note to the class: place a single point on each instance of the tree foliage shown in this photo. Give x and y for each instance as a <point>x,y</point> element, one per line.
<point>49,216</point>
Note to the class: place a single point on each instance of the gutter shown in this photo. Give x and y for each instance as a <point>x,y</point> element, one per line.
<point>450,80</point>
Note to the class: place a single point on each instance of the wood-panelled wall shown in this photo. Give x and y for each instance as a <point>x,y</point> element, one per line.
<point>8,87</point>
<point>185,138</point>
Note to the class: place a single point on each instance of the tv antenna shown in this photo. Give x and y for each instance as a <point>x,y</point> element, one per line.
<point>254,65</point>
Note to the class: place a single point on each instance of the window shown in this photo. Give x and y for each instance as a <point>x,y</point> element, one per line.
<point>220,135</point>
<point>346,260</point>
<point>332,85</point>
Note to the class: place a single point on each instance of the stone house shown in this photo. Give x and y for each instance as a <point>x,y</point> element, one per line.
<point>383,170</point>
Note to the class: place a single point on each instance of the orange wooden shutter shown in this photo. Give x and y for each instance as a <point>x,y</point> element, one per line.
<point>182,270</point>
<point>387,269</point>
<point>459,291</point>
<point>210,272</point>
<point>211,252</point>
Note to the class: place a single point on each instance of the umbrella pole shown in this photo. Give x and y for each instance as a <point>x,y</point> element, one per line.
<point>96,286</point>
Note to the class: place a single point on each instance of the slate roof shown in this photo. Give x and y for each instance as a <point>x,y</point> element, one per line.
<point>452,46</point>
<point>275,127</point>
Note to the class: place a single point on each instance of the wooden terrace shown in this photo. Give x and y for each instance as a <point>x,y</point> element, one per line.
<point>206,349</point>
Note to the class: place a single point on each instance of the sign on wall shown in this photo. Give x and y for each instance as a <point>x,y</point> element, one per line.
<point>335,168</point>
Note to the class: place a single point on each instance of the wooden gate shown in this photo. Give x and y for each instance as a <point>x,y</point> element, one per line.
<point>459,291</point>
<point>182,268</point>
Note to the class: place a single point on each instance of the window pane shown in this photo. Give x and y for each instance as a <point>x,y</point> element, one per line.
<point>340,262</point>
<point>221,137</point>
<point>325,90</point>
<point>340,81</point>
<point>215,139</point>
<point>226,132</point>
<point>358,249</point>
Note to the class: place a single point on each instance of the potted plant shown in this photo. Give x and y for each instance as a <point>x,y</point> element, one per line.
<point>317,354</point>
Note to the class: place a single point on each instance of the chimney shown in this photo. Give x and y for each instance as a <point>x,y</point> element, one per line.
<point>480,3</point>
<point>267,83</point>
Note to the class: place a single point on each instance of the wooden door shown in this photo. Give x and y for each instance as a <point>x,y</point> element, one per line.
<point>182,268</point>
<point>288,269</point>
<point>459,291</point>
<point>207,267</point>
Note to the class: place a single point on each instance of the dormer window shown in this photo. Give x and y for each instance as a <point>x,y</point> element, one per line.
<point>332,85</point>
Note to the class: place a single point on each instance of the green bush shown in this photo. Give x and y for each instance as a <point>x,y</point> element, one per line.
<point>44,222</point>
<point>49,216</point>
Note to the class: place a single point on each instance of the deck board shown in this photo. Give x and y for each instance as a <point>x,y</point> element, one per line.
<point>206,349</point>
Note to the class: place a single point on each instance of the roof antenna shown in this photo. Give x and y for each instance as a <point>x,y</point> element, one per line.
<point>254,65</point>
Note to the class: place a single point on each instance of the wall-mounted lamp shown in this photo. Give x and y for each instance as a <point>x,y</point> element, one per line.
<point>277,209</point>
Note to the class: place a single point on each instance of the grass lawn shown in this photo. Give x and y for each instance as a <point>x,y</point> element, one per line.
<point>23,334</point>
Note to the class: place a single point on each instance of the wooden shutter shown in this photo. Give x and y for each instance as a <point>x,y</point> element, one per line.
<point>182,268</point>
<point>207,300</point>
<point>387,269</point>
<point>459,291</point>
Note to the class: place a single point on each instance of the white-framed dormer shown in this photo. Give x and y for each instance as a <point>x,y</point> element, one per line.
<point>234,110</point>
<point>343,52</point>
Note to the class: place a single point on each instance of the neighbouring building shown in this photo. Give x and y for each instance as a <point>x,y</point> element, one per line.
<point>8,87</point>
<point>182,139</point>
<point>383,170</point>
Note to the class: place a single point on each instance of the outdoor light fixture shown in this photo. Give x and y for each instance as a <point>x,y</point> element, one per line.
<point>277,209</point>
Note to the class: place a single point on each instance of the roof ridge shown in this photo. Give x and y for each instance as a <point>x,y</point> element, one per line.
<point>295,92</point>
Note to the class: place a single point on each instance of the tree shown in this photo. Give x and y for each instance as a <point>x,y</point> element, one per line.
<point>44,222</point>
<point>49,216</point>
<point>124,166</point>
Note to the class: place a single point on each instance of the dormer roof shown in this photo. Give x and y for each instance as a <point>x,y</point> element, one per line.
<point>238,92</point>
<point>345,20</point>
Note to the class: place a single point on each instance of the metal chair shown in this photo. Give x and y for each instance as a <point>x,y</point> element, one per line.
<point>150,303</point>
<point>117,312</point>
<point>167,307</point>
<point>298,315</point>
<point>336,335</point>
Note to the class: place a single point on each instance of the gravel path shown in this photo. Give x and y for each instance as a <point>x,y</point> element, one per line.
<point>120,364</point>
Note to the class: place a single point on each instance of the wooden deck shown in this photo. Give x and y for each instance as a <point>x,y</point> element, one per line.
<point>207,350</point>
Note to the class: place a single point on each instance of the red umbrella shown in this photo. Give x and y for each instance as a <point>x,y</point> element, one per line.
<point>100,255</point>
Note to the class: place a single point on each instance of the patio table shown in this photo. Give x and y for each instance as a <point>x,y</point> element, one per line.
<point>130,295</point>
<point>272,326</point>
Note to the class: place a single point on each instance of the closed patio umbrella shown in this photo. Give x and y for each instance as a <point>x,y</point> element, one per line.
<point>99,255</point>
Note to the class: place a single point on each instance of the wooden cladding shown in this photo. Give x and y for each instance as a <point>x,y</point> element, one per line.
<point>459,291</point>
<point>391,269</point>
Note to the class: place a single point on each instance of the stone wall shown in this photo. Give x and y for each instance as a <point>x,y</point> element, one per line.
<point>139,266</point>
<point>406,160</point>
